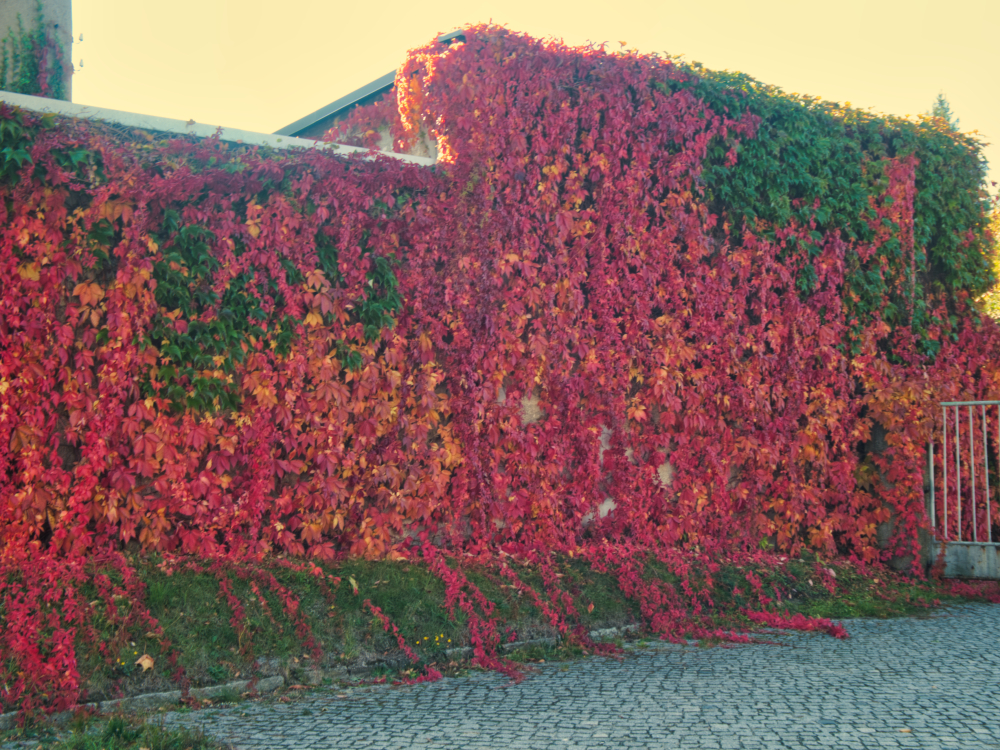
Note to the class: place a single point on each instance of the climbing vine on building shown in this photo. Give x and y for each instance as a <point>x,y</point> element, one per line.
<point>637,309</point>
<point>33,61</point>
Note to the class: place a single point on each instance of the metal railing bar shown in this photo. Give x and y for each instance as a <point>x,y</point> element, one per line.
<point>974,490</point>
<point>930,451</point>
<point>986,470</point>
<point>958,474</point>
<point>972,468</point>
<point>944,460</point>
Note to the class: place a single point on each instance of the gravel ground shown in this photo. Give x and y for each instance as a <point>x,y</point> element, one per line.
<point>906,683</point>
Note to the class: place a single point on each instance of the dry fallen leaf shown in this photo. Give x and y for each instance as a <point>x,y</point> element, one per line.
<point>145,661</point>
<point>590,607</point>
<point>906,731</point>
<point>354,584</point>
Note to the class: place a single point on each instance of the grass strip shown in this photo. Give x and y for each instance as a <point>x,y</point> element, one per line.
<point>220,624</point>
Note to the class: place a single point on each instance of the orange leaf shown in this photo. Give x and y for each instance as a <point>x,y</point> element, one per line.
<point>29,271</point>
<point>89,294</point>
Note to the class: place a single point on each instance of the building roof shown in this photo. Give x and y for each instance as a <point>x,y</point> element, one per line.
<point>341,106</point>
<point>315,124</point>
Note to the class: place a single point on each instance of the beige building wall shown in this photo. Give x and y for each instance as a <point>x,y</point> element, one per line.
<point>56,14</point>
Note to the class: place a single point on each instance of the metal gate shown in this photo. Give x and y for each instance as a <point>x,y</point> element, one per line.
<point>964,511</point>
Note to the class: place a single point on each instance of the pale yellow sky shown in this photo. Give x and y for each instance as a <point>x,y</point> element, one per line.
<point>261,65</point>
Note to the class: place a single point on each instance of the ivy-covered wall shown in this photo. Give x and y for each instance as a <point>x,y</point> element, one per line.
<point>627,285</point>
<point>704,291</point>
<point>35,48</point>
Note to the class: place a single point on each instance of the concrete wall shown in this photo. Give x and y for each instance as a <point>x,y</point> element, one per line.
<point>970,559</point>
<point>56,14</point>
<point>532,412</point>
<point>190,128</point>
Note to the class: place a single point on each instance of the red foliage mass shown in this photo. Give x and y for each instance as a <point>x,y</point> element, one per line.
<point>562,253</point>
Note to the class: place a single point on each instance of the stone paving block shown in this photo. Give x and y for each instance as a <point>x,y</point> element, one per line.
<point>937,677</point>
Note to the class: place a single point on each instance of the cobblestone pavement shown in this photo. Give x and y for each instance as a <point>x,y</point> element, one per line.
<point>927,683</point>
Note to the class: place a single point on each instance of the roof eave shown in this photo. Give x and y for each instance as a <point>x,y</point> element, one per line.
<point>378,86</point>
<point>344,103</point>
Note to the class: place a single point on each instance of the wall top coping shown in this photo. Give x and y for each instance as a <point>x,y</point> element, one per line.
<point>199,130</point>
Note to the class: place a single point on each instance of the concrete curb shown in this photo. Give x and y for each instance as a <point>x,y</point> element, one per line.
<point>465,652</point>
<point>151,701</point>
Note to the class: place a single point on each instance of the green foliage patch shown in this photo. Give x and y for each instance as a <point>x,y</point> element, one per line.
<point>823,165</point>
<point>32,61</point>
